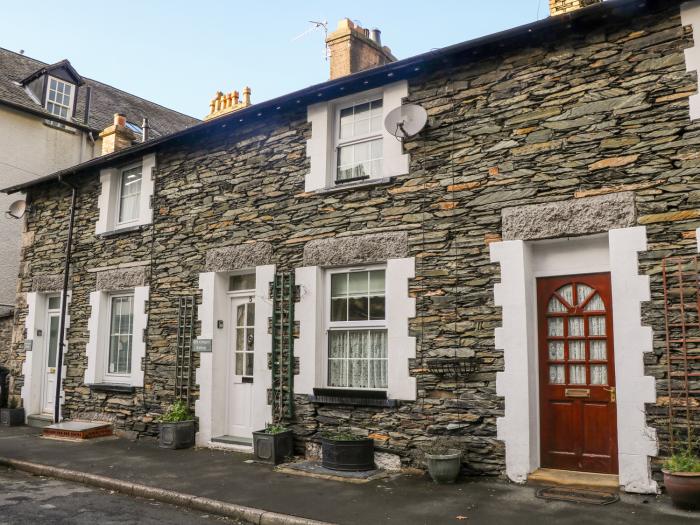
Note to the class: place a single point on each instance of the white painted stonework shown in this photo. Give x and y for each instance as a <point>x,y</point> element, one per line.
<point>690,15</point>
<point>310,347</point>
<point>33,366</point>
<point>521,264</point>
<point>320,147</point>
<point>97,347</point>
<point>107,201</point>
<point>212,373</point>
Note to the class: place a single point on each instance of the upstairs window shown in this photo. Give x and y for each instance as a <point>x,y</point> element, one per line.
<point>359,148</point>
<point>129,194</point>
<point>59,98</point>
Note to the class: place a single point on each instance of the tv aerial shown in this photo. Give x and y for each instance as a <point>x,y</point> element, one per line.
<point>316,25</point>
<point>406,121</point>
<point>17,209</point>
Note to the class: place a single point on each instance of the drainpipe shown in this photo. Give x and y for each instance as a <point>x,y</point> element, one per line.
<point>64,297</point>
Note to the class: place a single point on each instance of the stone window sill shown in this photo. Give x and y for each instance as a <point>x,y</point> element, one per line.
<point>119,231</point>
<point>111,387</point>
<point>60,126</point>
<point>357,185</point>
<point>338,396</point>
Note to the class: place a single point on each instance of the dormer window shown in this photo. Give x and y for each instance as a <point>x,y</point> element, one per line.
<point>59,98</point>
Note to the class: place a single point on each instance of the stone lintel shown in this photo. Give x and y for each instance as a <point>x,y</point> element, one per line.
<point>47,283</point>
<point>569,218</point>
<point>239,257</point>
<point>120,279</point>
<point>356,249</point>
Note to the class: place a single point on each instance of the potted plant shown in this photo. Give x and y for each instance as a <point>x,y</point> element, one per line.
<point>682,479</point>
<point>177,427</point>
<point>273,444</point>
<point>346,451</point>
<point>444,463</point>
<point>13,415</point>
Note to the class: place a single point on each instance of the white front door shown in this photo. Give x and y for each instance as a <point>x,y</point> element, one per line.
<point>241,345</point>
<point>53,321</point>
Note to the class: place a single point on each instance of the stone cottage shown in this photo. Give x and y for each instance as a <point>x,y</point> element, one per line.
<point>494,280</point>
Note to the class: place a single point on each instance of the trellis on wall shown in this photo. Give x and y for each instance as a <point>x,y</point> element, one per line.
<point>681,279</point>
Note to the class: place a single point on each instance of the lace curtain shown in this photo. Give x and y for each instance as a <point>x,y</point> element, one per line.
<point>357,359</point>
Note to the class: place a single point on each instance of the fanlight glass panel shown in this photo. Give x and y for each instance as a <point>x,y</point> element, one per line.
<point>556,306</point>
<point>582,292</point>
<point>567,293</point>
<point>595,304</point>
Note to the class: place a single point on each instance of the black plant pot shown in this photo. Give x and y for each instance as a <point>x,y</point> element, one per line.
<point>353,456</point>
<point>11,417</point>
<point>176,435</point>
<point>273,448</point>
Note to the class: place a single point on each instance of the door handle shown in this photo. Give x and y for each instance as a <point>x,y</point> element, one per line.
<point>613,393</point>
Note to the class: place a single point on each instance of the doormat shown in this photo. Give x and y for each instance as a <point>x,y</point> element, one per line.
<point>576,495</point>
<point>314,469</point>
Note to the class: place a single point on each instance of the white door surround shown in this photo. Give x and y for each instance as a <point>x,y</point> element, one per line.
<point>212,375</point>
<point>34,366</point>
<point>521,263</point>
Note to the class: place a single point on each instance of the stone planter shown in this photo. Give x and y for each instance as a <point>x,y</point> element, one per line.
<point>273,448</point>
<point>11,417</point>
<point>176,435</point>
<point>354,455</point>
<point>444,468</point>
<point>684,489</point>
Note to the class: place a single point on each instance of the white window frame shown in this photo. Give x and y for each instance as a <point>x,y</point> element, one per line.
<point>329,326</point>
<point>71,103</point>
<point>108,376</point>
<point>122,171</point>
<point>240,294</point>
<point>338,142</point>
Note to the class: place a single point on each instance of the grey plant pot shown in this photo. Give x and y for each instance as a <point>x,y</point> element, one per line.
<point>444,468</point>
<point>273,448</point>
<point>11,417</point>
<point>176,435</point>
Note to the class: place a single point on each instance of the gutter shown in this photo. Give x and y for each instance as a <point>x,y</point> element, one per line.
<point>547,28</point>
<point>64,301</point>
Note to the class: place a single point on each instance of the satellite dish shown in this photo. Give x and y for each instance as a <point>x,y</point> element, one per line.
<point>17,209</point>
<point>406,121</point>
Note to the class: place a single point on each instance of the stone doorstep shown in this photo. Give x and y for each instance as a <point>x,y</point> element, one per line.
<point>39,420</point>
<point>548,476</point>
<point>78,430</point>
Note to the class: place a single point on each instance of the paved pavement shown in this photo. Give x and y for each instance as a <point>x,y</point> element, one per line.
<point>403,499</point>
<point>27,499</point>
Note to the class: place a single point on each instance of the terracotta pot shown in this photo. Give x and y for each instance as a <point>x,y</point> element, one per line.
<point>684,489</point>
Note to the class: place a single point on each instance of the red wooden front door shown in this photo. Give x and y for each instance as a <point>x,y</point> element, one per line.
<point>577,373</point>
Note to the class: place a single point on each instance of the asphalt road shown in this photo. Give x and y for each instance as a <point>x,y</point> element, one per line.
<point>27,499</point>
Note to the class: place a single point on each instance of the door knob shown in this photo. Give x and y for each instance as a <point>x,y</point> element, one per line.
<point>612,390</point>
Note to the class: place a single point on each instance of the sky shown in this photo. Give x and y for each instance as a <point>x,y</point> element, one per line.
<point>178,53</point>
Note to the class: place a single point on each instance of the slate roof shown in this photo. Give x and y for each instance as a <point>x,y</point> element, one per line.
<point>104,103</point>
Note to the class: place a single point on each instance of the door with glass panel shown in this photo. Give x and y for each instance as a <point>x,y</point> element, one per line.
<point>242,355</point>
<point>577,374</point>
<point>53,321</point>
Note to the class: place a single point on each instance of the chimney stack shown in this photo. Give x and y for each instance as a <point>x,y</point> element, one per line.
<point>559,7</point>
<point>224,103</point>
<point>353,49</point>
<point>117,136</point>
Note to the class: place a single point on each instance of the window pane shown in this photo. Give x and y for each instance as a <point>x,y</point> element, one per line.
<point>339,284</point>
<point>567,292</point>
<point>377,308</point>
<point>358,344</point>
<point>240,339</point>
<point>53,340</point>
<point>555,327</point>
<point>240,315</point>
<point>251,315</point>
<point>337,372</point>
<point>130,191</point>
<point>339,310</point>
<point>358,373</point>
<point>249,356</point>
<point>577,374</point>
<point>582,292</point>
<point>250,340</point>
<point>376,281</point>
<point>577,350</point>
<point>338,344</point>
<point>358,283</point>
<point>345,156</point>
<point>239,363</point>
<point>599,351</point>
<point>595,304</point>
<point>241,282</point>
<point>556,350</point>
<point>358,309</point>
<point>599,374</point>
<point>556,374</point>
<point>54,303</point>
<point>596,325</point>
<point>362,152</point>
<point>121,332</point>
<point>576,327</point>
<point>556,306</point>
<point>378,344</point>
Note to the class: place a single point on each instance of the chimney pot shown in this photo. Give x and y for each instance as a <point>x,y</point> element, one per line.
<point>117,136</point>
<point>119,119</point>
<point>560,7</point>
<point>376,36</point>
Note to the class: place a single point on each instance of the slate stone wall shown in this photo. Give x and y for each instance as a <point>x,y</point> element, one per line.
<point>602,113</point>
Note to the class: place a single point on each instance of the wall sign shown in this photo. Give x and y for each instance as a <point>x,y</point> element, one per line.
<point>28,343</point>
<point>201,345</point>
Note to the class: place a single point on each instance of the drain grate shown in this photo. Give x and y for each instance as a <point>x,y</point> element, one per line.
<point>575,495</point>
